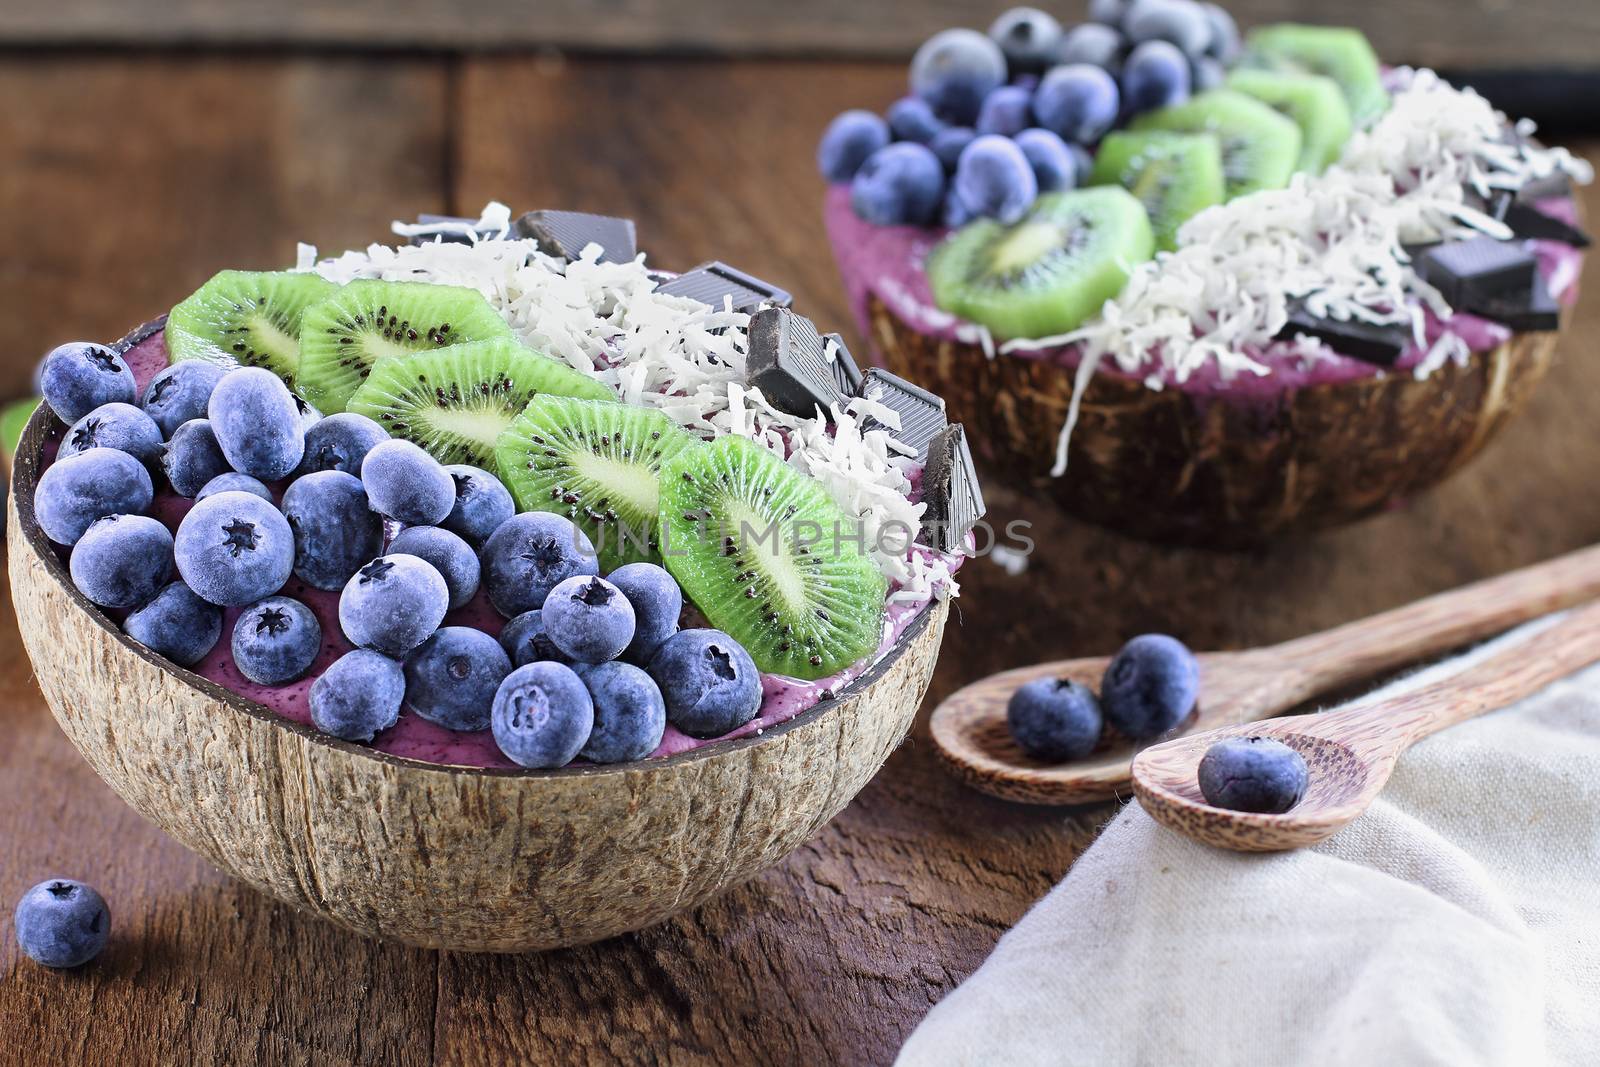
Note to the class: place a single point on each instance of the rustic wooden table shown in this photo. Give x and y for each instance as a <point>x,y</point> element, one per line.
<point>128,180</point>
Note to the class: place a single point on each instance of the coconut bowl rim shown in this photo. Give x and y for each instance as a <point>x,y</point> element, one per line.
<point>26,470</point>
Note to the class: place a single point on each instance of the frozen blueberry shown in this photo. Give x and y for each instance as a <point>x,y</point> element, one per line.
<point>451,679</point>
<point>1150,686</point>
<point>180,393</point>
<point>525,641</point>
<point>1027,37</point>
<point>234,549</point>
<point>901,185</point>
<point>1054,719</point>
<point>849,139</point>
<point>1108,12</point>
<point>1054,169</point>
<point>393,604</point>
<point>529,555</point>
<point>358,695</point>
<point>1207,74</point>
<point>657,602</point>
<point>62,923</point>
<point>1223,47</point>
<point>1078,102</point>
<point>1092,43</point>
<point>75,491</point>
<point>1180,22</point>
<point>950,142</point>
<point>911,118</point>
<point>482,504</point>
<point>1082,162</point>
<point>629,714</point>
<point>1156,75</point>
<point>955,213</point>
<point>234,482</point>
<point>406,484</point>
<point>709,682</point>
<point>542,715</point>
<point>176,624</point>
<point>275,641</point>
<point>335,531</point>
<point>995,180</point>
<point>589,619</point>
<point>452,557</point>
<point>119,426</point>
<point>78,377</point>
<point>122,561</point>
<point>1252,774</point>
<point>193,457</point>
<point>339,443</point>
<point>1007,111</point>
<point>257,423</point>
<point>954,70</point>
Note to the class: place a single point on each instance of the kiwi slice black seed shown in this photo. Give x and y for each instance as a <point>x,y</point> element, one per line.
<point>1174,175</point>
<point>768,557</point>
<point>343,336</point>
<point>1260,147</point>
<point>250,318</point>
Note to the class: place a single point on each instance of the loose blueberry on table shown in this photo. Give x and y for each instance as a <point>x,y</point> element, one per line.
<point>62,923</point>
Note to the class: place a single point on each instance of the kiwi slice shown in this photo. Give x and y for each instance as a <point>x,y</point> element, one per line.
<point>1174,175</point>
<point>1334,52</point>
<point>456,401</point>
<point>1047,273</point>
<point>342,337</point>
<point>767,556</point>
<point>1313,102</point>
<point>1260,147</point>
<point>247,317</point>
<point>598,464</point>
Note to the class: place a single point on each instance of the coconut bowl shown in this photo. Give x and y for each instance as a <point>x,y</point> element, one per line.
<point>443,857</point>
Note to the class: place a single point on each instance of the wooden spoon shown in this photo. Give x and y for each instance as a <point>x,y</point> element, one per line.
<point>1351,752</point>
<point>969,727</point>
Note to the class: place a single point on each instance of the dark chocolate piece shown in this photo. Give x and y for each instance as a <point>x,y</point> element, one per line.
<point>921,413</point>
<point>1531,312</point>
<point>951,491</point>
<point>1368,342</point>
<point>565,234</point>
<point>1529,223</point>
<point>1480,269</point>
<point>846,374</point>
<point>454,236</point>
<point>1556,183</point>
<point>711,283</point>
<point>788,362</point>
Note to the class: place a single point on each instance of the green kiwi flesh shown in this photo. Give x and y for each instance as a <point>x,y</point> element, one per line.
<point>1260,148</point>
<point>368,320</point>
<point>767,557</point>
<point>597,463</point>
<point>1174,175</point>
<point>251,318</point>
<point>1335,52</point>
<point>1312,101</point>
<point>456,401</point>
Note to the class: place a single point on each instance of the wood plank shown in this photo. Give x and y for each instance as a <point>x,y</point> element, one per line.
<point>1536,34</point>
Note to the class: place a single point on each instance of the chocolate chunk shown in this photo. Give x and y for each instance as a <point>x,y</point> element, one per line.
<point>788,362</point>
<point>1529,223</point>
<point>921,413</point>
<point>713,282</point>
<point>846,374</point>
<point>1533,311</point>
<point>1368,342</point>
<point>951,491</point>
<point>456,235</point>
<point>565,234</point>
<point>1556,183</point>
<point>1480,269</point>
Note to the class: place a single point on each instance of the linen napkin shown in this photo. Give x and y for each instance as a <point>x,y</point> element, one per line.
<point>1456,922</point>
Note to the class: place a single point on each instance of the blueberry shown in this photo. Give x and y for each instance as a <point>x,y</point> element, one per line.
<point>1155,76</point>
<point>899,186</point>
<point>1054,167</point>
<point>849,139</point>
<point>1054,719</point>
<point>542,715</point>
<point>193,457</point>
<point>1094,44</point>
<point>1108,12</point>
<point>482,504</point>
<point>589,619</point>
<point>995,180</point>
<point>180,393</point>
<point>1078,102</point>
<point>657,602</point>
<point>62,923</point>
<point>1027,37</point>
<point>629,714</point>
<point>1206,74</point>
<point>275,641</point>
<point>406,484</point>
<point>78,377</point>
<point>1252,774</point>
<point>358,695</point>
<point>1180,22</point>
<point>525,641</point>
<point>335,531</point>
<point>954,70</point>
<point>176,624</point>
<point>393,604</point>
<point>451,679</point>
<point>529,555</point>
<point>119,426</point>
<point>234,549</point>
<point>122,561</point>
<point>1082,162</point>
<point>75,491</point>
<point>1224,43</point>
<point>709,682</point>
<point>340,443</point>
<point>233,482</point>
<point>1150,686</point>
<point>950,142</point>
<point>452,557</point>
<point>911,118</point>
<point>257,423</point>
<point>955,213</point>
<point>1007,111</point>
